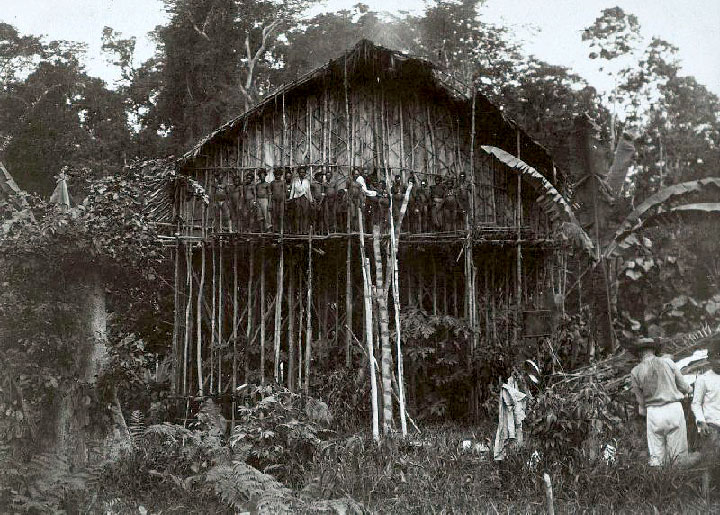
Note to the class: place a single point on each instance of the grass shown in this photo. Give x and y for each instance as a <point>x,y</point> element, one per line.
<point>427,473</point>
<point>434,475</point>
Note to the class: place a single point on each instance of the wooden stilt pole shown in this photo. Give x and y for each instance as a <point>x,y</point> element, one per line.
<point>308,341</point>
<point>518,261</point>
<point>221,292</point>
<point>434,287</point>
<point>348,302</point>
<point>263,304</point>
<point>420,285</point>
<point>291,328</point>
<point>300,336</point>
<point>188,310</point>
<point>454,293</point>
<point>278,313</point>
<point>198,322</point>
<point>248,333</point>
<point>213,328</point>
<point>324,314</point>
<point>445,291</point>
<point>394,245</point>
<point>234,335</point>
<point>367,298</point>
<point>176,321</point>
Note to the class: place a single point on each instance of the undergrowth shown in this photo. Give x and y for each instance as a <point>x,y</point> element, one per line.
<point>431,473</point>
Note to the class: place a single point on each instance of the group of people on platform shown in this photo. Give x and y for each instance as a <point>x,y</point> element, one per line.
<point>660,387</point>
<point>279,200</point>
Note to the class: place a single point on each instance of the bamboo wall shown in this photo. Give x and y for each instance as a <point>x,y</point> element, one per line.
<point>377,128</point>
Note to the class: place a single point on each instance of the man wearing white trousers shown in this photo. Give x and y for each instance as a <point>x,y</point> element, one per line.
<point>659,387</point>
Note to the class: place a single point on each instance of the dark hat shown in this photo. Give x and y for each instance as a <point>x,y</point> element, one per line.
<point>713,346</point>
<point>641,344</point>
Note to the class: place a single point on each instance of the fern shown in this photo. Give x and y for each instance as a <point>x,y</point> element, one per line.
<point>246,488</point>
<point>136,427</point>
<point>49,480</point>
<point>170,433</point>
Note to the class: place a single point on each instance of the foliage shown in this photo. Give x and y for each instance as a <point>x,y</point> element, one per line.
<point>214,60</point>
<point>54,115</point>
<point>46,484</point>
<point>443,372</point>
<point>197,466</point>
<point>432,470</point>
<point>347,394</point>
<point>244,487</point>
<point>571,417</point>
<point>280,432</point>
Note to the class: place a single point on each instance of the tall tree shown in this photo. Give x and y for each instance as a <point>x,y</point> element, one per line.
<point>215,59</point>
<point>326,35</point>
<point>453,35</point>
<point>54,115</point>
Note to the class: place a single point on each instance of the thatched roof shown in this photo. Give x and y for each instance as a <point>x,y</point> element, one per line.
<point>384,63</point>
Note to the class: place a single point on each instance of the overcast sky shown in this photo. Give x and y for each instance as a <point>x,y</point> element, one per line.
<point>550,29</point>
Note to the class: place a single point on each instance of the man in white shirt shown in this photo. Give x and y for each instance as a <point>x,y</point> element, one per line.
<point>659,387</point>
<point>301,196</point>
<point>706,401</point>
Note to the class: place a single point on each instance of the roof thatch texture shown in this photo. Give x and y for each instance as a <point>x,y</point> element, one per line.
<point>367,58</point>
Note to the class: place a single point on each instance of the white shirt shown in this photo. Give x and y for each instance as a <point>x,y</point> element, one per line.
<point>361,181</point>
<point>300,187</point>
<point>706,400</point>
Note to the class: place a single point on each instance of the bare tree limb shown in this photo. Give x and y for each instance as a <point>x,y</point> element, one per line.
<point>253,58</point>
<point>202,32</point>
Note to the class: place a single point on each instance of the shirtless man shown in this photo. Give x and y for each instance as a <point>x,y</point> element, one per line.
<point>329,203</point>
<point>413,212</point>
<point>277,192</point>
<point>318,194</point>
<point>237,201</point>
<point>381,207</point>
<point>423,201</point>
<point>250,203</point>
<point>463,199</point>
<point>437,194</point>
<point>341,209</point>
<point>397,190</point>
<point>355,199</point>
<point>222,196</point>
<point>449,206</point>
<point>290,215</point>
<point>262,191</point>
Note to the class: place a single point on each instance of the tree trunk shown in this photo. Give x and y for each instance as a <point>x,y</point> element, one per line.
<point>367,301</point>
<point>80,437</point>
<point>385,347</point>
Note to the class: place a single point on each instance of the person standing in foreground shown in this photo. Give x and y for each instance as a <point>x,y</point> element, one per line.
<point>659,387</point>
<point>706,402</point>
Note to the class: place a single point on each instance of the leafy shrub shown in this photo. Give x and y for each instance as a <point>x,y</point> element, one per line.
<point>347,394</point>
<point>567,417</point>
<point>442,371</point>
<point>279,433</point>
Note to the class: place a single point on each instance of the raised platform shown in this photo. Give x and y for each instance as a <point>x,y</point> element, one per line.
<point>502,236</point>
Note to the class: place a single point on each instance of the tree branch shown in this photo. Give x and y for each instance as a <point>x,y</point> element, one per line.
<point>253,58</point>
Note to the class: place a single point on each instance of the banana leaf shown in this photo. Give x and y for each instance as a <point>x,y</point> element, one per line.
<point>549,198</point>
<point>656,205</point>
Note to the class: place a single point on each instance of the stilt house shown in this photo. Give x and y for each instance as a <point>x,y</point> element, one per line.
<point>255,304</point>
